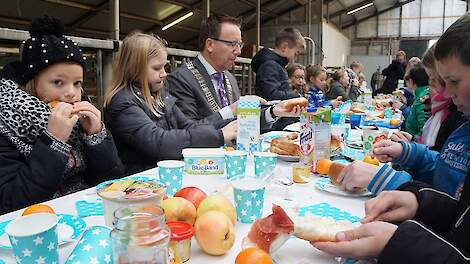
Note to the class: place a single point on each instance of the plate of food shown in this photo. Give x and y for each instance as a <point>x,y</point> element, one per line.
<point>286,147</point>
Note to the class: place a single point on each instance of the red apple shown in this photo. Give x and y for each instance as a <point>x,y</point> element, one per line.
<point>179,209</point>
<point>215,233</point>
<point>192,194</point>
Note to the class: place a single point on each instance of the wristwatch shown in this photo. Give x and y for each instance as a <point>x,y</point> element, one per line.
<point>271,111</point>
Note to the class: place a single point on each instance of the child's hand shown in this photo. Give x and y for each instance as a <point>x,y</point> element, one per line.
<point>392,206</point>
<point>401,136</point>
<point>61,121</point>
<point>366,241</point>
<point>230,132</point>
<point>386,150</point>
<point>357,175</point>
<point>90,117</point>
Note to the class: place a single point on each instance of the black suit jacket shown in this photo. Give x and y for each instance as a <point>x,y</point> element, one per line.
<point>182,84</point>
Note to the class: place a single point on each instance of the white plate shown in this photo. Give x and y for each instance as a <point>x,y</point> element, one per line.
<point>289,158</point>
<point>324,184</point>
<point>268,137</point>
<point>293,127</point>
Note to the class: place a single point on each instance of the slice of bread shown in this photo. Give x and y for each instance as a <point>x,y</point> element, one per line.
<point>320,229</point>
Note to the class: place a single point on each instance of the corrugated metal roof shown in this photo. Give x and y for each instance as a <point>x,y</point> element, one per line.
<point>91,18</point>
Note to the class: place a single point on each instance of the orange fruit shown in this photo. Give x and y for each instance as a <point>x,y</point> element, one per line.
<point>394,122</point>
<point>370,160</point>
<point>323,166</point>
<point>38,208</point>
<point>253,256</point>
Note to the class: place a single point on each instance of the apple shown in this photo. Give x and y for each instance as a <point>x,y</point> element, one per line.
<point>214,232</point>
<point>192,194</point>
<point>218,202</point>
<point>179,209</point>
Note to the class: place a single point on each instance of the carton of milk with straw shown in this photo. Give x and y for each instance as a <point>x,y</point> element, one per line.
<point>248,120</point>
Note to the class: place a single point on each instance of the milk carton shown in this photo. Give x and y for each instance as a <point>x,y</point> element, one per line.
<point>315,137</point>
<point>248,120</point>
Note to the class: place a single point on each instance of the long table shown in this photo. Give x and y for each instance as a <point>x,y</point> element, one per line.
<point>294,251</point>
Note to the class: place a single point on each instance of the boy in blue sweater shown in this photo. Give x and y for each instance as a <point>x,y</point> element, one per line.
<point>445,170</point>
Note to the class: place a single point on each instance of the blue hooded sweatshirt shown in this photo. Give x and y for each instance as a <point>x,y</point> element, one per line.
<point>272,82</point>
<point>316,97</point>
<point>445,170</point>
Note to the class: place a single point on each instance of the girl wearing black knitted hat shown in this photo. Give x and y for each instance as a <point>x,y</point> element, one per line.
<point>51,142</point>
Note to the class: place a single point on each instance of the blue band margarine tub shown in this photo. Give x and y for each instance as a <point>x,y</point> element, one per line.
<point>204,160</point>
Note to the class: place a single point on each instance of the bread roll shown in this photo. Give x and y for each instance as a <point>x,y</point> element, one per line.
<point>291,103</point>
<point>335,171</point>
<point>320,229</point>
<point>52,104</point>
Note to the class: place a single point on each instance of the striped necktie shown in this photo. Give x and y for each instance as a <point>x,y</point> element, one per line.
<point>221,88</point>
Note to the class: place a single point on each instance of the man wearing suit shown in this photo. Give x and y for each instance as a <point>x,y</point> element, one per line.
<point>204,87</point>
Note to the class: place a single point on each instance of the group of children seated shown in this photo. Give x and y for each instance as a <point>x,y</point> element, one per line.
<point>53,141</point>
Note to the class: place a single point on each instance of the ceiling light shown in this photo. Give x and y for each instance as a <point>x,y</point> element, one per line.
<point>177,21</point>
<point>360,8</point>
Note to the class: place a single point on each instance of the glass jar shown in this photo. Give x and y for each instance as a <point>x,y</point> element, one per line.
<point>140,236</point>
<point>180,242</point>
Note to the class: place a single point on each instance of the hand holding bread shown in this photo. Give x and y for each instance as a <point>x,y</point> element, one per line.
<point>319,229</point>
<point>271,232</point>
<point>365,242</point>
<point>356,176</point>
<point>291,107</point>
<point>386,150</point>
<point>61,121</point>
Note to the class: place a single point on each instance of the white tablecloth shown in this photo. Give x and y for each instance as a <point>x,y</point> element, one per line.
<point>294,251</point>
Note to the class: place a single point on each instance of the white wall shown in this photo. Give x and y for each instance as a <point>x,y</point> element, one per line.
<point>336,47</point>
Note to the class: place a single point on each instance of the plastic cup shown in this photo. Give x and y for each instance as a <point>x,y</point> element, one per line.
<point>338,118</point>
<point>34,238</point>
<point>170,173</point>
<point>94,245</point>
<point>235,163</point>
<point>264,161</point>
<point>249,199</point>
<point>370,136</point>
<point>355,120</point>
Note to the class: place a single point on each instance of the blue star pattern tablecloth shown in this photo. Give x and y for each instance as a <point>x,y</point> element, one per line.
<point>94,247</point>
<point>89,208</point>
<point>326,210</point>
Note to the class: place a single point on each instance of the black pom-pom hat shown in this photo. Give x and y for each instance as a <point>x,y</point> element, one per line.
<point>47,46</point>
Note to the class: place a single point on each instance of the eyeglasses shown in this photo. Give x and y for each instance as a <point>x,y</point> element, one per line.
<point>232,44</point>
<point>299,77</point>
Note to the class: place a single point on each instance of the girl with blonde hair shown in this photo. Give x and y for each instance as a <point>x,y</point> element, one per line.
<point>142,115</point>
